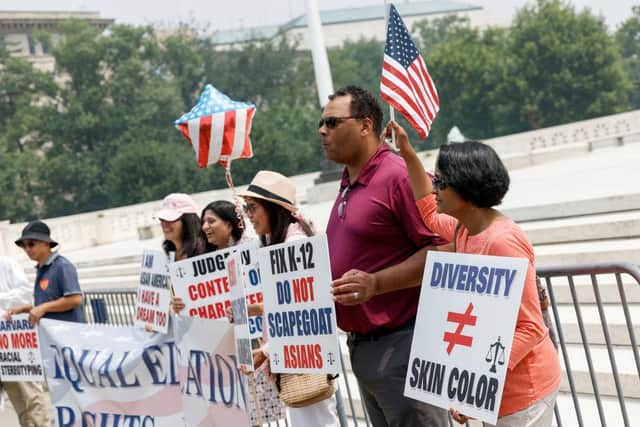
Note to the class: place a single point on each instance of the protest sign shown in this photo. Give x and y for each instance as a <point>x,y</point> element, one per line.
<point>299,308</point>
<point>203,285</point>
<point>120,376</point>
<point>212,387</point>
<point>464,331</point>
<point>252,283</point>
<point>19,350</point>
<point>153,297</point>
<point>240,315</point>
<point>110,375</point>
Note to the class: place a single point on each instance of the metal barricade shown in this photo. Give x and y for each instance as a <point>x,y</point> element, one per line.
<point>593,320</point>
<point>120,305</point>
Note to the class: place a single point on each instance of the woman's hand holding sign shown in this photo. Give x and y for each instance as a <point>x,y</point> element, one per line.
<point>354,287</point>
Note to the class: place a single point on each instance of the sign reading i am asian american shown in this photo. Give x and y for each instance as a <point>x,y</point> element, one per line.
<point>154,297</point>
<point>299,309</point>
<point>19,350</point>
<point>203,284</point>
<point>464,331</point>
<point>240,313</point>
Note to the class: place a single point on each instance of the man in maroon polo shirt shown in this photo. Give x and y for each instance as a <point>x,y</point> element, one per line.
<point>377,244</point>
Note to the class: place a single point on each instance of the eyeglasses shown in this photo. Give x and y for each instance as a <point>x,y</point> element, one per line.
<point>439,183</point>
<point>342,207</point>
<point>332,122</point>
<point>250,208</point>
<point>28,244</point>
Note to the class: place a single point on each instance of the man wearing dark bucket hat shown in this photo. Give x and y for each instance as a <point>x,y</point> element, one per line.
<point>57,294</point>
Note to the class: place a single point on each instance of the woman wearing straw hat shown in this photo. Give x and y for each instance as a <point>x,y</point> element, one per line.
<point>271,208</point>
<point>223,227</point>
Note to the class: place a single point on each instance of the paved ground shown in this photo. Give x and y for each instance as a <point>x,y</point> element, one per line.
<point>8,416</point>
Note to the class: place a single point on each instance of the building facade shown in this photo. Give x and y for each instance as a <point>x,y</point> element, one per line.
<point>18,30</point>
<point>340,25</point>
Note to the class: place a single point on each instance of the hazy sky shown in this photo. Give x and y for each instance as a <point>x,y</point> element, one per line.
<point>225,14</point>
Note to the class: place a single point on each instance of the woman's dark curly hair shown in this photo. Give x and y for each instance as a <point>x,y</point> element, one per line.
<point>475,172</point>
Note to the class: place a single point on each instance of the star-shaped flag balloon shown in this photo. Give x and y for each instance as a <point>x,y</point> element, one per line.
<point>218,128</point>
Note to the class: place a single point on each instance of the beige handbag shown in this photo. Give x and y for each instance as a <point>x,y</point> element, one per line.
<point>300,390</point>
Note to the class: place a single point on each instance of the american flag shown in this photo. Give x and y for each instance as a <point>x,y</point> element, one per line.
<point>217,128</point>
<point>406,84</point>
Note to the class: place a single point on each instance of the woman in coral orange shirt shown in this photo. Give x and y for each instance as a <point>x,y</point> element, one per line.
<point>470,179</point>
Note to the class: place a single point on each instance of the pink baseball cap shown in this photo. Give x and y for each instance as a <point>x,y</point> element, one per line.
<point>175,205</point>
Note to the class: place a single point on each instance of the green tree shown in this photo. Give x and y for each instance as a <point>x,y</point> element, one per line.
<point>628,39</point>
<point>466,66</point>
<point>562,66</point>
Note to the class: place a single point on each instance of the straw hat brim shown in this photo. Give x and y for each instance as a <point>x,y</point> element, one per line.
<point>286,205</point>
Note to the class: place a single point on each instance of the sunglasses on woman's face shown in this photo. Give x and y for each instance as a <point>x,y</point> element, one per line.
<point>439,183</point>
<point>250,208</point>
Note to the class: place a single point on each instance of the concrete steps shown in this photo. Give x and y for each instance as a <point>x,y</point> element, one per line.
<point>584,228</point>
<point>588,407</point>
<point>591,252</point>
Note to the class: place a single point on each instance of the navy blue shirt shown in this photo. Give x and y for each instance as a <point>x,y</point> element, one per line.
<point>58,278</point>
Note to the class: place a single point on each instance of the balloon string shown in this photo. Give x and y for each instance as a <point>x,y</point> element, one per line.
<point>236,199</point>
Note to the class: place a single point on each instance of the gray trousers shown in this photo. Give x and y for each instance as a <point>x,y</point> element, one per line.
<point>380,364</point>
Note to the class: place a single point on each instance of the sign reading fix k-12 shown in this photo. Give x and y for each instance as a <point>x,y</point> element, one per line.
<point>300,317</point>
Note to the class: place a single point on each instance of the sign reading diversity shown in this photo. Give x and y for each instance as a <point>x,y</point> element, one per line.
<point>154,297</point>
<point>203,285</point>
<point>19,350</point>
<point>240,314</point>
<point>464,331</point>
<point>299,309</point>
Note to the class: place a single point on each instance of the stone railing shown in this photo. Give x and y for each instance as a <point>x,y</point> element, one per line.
<point>518,150</point>
<point>556,142</point>
<point>118,224</point>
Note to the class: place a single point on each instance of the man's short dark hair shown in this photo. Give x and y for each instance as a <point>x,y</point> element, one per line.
<point>475,172</point>
<point>363,105</point>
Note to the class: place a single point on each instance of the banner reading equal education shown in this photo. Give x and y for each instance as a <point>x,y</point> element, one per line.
<point>121,376</point>
<point>299,308</point>
<point>464,331</point>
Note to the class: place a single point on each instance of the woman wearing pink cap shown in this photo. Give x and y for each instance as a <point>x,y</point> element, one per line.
<point>181,226</point>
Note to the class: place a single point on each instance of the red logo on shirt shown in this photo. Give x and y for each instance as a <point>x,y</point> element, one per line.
<point>44,284</point>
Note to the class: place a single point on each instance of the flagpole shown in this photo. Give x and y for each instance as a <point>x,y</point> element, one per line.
<point>321,65</point>
<point>392,111</point>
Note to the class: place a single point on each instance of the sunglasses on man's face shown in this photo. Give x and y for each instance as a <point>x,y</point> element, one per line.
<point>332,122</point>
